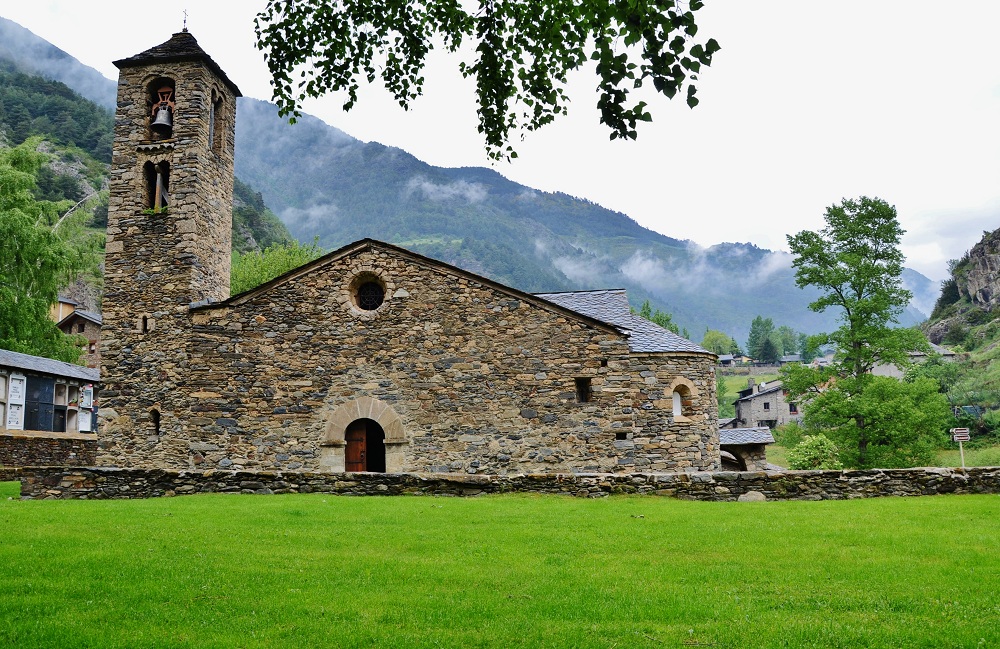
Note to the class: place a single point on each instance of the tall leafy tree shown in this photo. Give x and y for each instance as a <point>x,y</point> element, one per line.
<point>717,342</point>
<point>523,50</point>
<point>661,318</point>
<point>761,329</point>
<point>769,352</point>
<point>34,260</point>
<point>789,340</point>
<point>856,263</point>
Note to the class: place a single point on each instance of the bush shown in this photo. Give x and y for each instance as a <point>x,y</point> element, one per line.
<point>789,435</point>
<point>815,452</point>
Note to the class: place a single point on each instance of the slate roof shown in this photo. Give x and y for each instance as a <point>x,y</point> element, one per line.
<point>86,315</point>
<point>611,306</point>
<point>182,46</point>
<point>48,366</point>
<point>773,388</point>
<point>733,436</point>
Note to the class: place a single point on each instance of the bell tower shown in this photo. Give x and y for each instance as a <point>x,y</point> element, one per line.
<point>169,228</point>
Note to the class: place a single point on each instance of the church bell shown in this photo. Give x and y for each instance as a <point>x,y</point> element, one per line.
<point>163,123</point>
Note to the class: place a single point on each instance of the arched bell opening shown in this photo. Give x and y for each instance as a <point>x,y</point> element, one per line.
<point>157,178</point>
<point>161,108</point>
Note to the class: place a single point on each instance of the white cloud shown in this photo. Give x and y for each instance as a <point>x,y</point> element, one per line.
<point>469,192</point>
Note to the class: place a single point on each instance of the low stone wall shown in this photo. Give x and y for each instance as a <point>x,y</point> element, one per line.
<point>39,448</point>
<point>9,474</point>
<point>66,483</point>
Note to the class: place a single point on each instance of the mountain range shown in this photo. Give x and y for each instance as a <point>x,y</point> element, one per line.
<point>326,185</point>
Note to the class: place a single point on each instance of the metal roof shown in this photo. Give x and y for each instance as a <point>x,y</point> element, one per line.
<point>611,306</point>
<point>48,366</point>
<point>734,436</point>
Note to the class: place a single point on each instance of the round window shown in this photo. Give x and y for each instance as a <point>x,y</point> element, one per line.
<point>370,296</point>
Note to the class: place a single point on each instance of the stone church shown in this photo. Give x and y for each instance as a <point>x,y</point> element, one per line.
<point>371,358</point>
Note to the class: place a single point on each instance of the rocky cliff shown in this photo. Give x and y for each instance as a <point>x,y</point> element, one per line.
<point>978,276</point>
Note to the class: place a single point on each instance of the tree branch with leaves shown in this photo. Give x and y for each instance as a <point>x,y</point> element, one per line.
<point>522,54</point>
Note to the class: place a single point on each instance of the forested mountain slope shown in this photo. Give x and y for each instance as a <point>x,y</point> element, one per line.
<point>323,183</point>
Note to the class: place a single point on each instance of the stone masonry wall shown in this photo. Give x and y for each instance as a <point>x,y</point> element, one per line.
<point>464,378</point>
<point>36,448</point>
<point>91,483</point>
<point>157,264</point>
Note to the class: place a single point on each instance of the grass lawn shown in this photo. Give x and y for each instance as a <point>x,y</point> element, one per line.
<point>507,571</point>
<point>987,456</point>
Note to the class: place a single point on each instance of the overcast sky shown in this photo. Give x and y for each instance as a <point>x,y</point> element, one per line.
<point>807,103</point>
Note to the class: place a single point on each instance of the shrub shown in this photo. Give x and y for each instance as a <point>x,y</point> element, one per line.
<point>789,435</point>
<point>815,452</point>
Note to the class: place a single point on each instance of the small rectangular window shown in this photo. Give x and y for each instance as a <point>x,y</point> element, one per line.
<point>620,436</point>
<point>793,408</point>
<point>767,406</point>
<point>582,389</point>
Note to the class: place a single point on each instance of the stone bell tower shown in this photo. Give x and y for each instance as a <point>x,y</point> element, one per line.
<point>169,233</point>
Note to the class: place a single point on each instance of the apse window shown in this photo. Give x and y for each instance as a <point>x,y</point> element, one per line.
<point>583,389</point>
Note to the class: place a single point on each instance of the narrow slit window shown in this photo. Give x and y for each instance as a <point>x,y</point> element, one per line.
<point>583,389</point>
<point>154,418</point>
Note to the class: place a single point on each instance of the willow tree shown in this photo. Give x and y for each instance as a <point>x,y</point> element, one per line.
<point>522,52</point>
<point>34,260</point>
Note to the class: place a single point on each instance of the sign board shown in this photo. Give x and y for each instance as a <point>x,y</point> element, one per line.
<point>16,391</point>
<point>87,396</point>
<point>960,435</point>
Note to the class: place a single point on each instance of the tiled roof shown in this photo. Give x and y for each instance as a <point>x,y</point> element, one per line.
<point>761,435</point>
<point>48,366</point>
<point>182,46</point>
<point>612,306</point>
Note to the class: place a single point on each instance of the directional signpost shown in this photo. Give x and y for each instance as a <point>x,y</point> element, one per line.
<point>960,435</point>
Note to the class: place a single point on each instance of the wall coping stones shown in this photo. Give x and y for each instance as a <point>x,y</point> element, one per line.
<point>103,483</point>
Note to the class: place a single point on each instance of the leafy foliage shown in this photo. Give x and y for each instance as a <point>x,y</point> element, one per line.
<point>856,262</point>
<point>661,318</point>
<point>814,452</point>
<point>31,105</point>
<point>761,329</point>
<point>524,52</point>
<point>34,260</point>
<point>718,342</point>
<point>251,269</point>
<point>880,421</point>
<point>254,225</point>
<point>876,421</point>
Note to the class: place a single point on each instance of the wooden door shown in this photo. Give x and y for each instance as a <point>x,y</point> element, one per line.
<point>356,437</point>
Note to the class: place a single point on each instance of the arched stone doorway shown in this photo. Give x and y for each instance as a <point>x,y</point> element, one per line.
<point>733,461</point>
<point>364,446</point>
<point>382,433</point>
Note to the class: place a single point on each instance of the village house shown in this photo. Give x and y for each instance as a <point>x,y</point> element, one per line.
<point>764,405</point>
<point>371,358</point>
<point>87,325</point>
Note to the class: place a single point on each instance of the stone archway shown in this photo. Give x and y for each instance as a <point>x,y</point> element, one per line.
<point>333,456</point>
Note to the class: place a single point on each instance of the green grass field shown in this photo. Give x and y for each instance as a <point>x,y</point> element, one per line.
<point>510,571</point>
